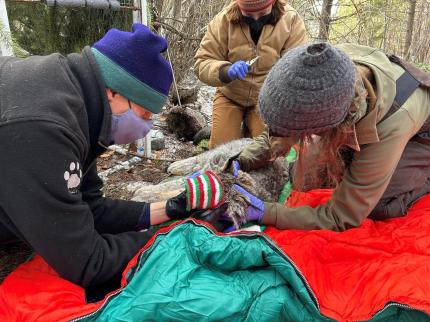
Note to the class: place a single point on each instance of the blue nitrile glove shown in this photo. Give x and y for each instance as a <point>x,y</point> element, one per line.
<point>238,70</point>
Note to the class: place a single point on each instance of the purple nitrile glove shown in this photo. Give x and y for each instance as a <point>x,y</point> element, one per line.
<point>254,212</point>
<point>238,70</point>
<point>194,174</point>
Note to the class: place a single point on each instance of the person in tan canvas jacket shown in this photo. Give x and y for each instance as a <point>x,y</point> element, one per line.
<point>241,45</point>
<point>363,124</point>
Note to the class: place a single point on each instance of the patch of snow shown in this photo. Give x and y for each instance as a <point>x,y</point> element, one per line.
<point>124,165</point>
<point>204,99</point>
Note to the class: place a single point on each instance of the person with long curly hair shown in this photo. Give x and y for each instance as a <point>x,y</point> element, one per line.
<point>360,119</point>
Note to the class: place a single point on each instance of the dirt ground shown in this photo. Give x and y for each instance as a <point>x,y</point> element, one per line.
<point>152,171</point>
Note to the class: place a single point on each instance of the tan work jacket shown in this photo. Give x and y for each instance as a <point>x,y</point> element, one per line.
<point>378,145</point>
<point>226,43</point>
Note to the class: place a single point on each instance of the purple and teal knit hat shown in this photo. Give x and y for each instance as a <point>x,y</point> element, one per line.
<point>132,66</point>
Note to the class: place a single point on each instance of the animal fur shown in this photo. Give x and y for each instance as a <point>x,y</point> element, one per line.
<point>209,160</point>
<point>265,183</point>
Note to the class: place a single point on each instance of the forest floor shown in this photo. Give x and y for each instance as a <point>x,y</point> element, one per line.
<point>151,171</point>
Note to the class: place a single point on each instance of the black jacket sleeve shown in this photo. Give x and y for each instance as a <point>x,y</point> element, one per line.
<point>110,216</point>
<point>40,194</point>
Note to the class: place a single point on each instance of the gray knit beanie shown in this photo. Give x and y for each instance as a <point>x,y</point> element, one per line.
<point>309,90</point>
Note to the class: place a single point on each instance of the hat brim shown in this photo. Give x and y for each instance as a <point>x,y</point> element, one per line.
<point>120,81</point>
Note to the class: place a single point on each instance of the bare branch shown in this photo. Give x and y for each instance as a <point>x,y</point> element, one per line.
<point>172,29</point>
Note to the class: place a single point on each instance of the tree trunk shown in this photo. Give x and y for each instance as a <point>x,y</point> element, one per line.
<point>325,19</point>
<point>177,7</point>
<point>387,21</point>
<point>158,5</point>
<point>52,29</point>
<point>409,29</point>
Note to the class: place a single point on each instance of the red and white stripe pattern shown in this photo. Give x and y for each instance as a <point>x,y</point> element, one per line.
<point>204,191</point>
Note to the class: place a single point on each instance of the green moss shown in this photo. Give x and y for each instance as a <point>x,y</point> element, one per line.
<point>201,147</point>
<point>424,66</point>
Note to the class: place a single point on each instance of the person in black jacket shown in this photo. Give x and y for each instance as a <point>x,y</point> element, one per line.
<point>57,115</point>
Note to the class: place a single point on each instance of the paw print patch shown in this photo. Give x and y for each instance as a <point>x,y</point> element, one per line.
<point>73,177</point>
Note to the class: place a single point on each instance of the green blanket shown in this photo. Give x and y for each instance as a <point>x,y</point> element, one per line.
<point>191,274</point>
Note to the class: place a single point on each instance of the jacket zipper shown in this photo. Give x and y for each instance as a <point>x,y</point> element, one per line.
<point>387,306</point>
<point>117,291</point>
<point>254,48</point>
<point>254,52</point>
<point>94,161</point>
<point>246,235</point>
<point>288,259</point>
<point>275,247</point>
<point>308,287</point>
<point>89,167</point>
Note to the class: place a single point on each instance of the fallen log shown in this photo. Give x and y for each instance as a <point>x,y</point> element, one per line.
<point>184,122</point>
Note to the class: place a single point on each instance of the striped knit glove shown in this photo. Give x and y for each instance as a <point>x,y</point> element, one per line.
<point>202,191</point>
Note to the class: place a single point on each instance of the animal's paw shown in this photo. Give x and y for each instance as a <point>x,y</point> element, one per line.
<point>236,209</point>
<point>237,202</point>
<point>73,177</point>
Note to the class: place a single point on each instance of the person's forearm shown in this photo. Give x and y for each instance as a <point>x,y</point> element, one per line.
<point>158,213</point>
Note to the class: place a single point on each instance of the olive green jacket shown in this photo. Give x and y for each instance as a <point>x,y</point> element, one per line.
<point>225,43</point>
<point>379,146</point>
